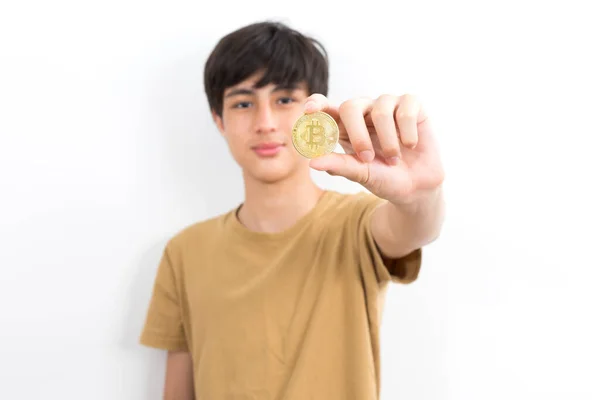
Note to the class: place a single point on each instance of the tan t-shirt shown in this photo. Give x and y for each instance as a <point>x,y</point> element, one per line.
<point>287,316</point>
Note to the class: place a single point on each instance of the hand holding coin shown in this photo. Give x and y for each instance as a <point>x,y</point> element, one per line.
<point>389,144</point>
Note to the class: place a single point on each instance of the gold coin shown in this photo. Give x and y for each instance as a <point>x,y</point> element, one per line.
<point>315,134</point>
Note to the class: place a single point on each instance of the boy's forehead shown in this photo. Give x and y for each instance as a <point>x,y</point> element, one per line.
<point>249,84</point>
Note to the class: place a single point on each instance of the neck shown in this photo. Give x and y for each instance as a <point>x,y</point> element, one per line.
<point>275,207</point>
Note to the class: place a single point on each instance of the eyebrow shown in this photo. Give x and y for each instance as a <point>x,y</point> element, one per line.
<point>246,91</point>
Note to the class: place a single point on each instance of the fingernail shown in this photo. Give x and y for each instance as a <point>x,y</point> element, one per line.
<point>366,155</point>
<point>393,160</point>
<point>309,105</point>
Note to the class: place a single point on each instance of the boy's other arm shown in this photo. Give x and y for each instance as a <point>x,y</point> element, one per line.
<point>179,379</point>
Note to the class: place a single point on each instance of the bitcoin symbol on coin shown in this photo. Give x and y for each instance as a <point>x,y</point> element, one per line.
<point>315,134</point>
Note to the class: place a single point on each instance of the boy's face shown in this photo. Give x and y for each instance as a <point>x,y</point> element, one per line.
<point>257,124</point>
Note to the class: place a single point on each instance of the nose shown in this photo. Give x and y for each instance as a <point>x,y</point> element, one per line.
<point>265,119</point>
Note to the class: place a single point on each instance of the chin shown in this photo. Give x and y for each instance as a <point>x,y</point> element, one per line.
<point>271,176</point>
<point>272,171</point>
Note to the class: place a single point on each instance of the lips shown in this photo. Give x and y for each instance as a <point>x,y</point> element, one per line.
<point>267,149</point>
<point>267,146</point>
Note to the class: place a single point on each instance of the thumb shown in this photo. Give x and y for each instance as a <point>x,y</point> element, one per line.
<point>344,165</point>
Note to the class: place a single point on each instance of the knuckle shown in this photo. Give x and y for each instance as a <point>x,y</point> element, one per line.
<point>378,115</point>
<point>364,175</point>
<point>405,115</point>
<point>386,98</point>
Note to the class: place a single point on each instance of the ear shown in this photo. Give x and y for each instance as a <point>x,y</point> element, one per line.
<point>218,121</point>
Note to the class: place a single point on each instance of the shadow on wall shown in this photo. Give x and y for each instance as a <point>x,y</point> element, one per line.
<point>196,169</point>
<point>151,362</point>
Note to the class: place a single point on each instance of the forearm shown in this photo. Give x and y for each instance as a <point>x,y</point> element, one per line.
<point>399,229</point>
<point>179,379</point>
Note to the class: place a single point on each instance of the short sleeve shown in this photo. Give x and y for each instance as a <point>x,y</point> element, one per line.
<point>398,270</point>
<point>164,328</point>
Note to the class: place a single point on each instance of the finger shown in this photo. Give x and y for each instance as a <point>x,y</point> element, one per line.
<point>382,117</point>
<point>318,102</point>
<point>352,115</point>
<point>344,165</point>
<point>406,119</point>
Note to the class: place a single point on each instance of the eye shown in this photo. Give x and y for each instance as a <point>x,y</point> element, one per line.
<point>241,104</point>
<point>286,100</point>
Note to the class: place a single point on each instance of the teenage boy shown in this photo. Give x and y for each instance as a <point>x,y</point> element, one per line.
<point>281,297</point>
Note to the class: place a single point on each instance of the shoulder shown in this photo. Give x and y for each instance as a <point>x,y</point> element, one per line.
<point>199,236</point>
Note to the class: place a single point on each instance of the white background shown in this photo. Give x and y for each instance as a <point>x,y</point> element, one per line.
<point>107,149</point>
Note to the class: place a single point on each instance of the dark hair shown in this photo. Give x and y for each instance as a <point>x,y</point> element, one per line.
<point>286,56</point>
